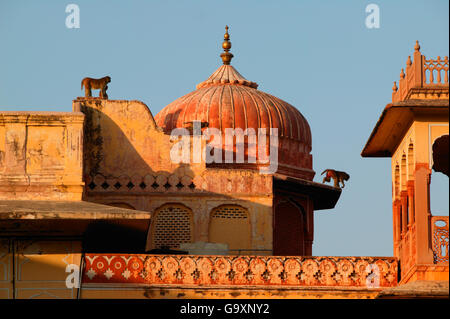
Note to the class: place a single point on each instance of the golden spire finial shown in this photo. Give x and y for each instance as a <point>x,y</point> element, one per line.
<point>226,45</point>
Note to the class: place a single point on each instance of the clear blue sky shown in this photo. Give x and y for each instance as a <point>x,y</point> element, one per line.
<point>316,55</point>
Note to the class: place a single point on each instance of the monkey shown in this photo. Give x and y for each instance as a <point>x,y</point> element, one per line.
<point>95,84</point>
<point>337,176</point>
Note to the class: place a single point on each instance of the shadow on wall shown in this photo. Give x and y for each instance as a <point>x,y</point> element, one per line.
<point>171,119</point>
<point>109,153</point>
<point>113,237</point>
<point>107,150</point>
<point>112,162</point>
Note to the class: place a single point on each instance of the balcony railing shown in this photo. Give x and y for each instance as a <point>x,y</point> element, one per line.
<point>439,231</point>
<point>214,271</point>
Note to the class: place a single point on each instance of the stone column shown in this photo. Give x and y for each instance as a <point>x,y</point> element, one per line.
<point>309,236</point>
<point>404,205</point>
<point>396,223</point>
<point>424,253</point>
<point>410,187</point>
<point>418,66</point>
<point>202,221</point>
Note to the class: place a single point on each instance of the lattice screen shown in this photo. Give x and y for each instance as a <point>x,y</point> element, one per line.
<point>172,226</point>
<point>230,211</point>
<point>440,239</point>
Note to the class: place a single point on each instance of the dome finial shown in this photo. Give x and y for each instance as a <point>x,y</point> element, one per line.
<point>226,45</point>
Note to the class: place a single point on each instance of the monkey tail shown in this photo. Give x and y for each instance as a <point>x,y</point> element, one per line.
<point>324,171</point>
<point>81,84</point>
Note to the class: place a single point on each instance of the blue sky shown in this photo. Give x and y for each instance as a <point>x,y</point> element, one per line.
<point>317,55</point>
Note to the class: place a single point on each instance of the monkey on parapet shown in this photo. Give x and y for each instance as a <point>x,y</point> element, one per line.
<point>96,84</point>
<point>337,176</point>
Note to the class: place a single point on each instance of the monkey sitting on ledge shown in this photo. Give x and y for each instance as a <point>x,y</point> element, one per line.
<point>337,176</point>
<point>96,84</point>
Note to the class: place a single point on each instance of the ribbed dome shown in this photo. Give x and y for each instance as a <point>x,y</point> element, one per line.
<point>228,100</point>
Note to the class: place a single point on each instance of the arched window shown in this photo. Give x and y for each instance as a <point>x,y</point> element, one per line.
<point>403,172</point>
<point>172,225</point>
<point>411,162</point>
<point>396,181</point>
<point>230,224</point>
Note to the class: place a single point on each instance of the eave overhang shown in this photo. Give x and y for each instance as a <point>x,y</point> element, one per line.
<point>394,122</point>
<point>323,196</point>
<point>64,218</point>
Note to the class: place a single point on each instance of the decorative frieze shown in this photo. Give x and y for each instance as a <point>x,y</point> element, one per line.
<point>176,270</point>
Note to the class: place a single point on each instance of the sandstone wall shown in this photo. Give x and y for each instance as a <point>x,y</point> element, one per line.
<point>41,155</point>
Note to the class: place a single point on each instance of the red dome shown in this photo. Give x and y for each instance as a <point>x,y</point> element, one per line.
<point>227,100</point>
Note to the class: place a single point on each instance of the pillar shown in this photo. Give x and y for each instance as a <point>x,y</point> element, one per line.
<point>396,223</point>
<point>424,252</point>
<point>410,190</point>
<point>404,205</point>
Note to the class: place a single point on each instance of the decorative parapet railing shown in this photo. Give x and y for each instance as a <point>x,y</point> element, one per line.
<point>147,183</point>
<point>440,237</point>
<point>421,73</point>
<point>435,72</point>
<point>217,182</point>
<point>195,270</point>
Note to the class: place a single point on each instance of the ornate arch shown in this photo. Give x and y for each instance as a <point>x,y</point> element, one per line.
<point>410,159</point>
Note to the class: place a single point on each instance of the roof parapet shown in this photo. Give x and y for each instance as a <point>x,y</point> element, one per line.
<point>421,73</point>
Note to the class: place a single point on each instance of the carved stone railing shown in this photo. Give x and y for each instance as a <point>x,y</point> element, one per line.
<point>195,270</point>
<point>421,73</point>
<point>165,182</point>
<point>435,72</point>
<point>147,183</point>
<point>440,237</point>
<point>407,249</point>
